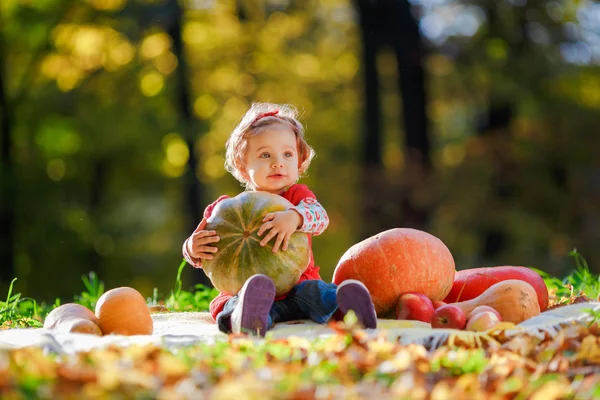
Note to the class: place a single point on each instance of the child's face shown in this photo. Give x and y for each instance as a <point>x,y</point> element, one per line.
<point>272,160</point>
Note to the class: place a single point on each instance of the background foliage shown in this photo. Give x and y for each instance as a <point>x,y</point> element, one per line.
<point>115,114</point>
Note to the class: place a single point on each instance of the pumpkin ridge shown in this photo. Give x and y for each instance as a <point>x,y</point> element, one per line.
<point>254,217</point>
<point>231,224</point>
<point>255,214</point>
<point>254,238</point>
<point>238,212</point>
<point>234,235</point>
<point>253,259</point>
<point>239,249</point>
<point>230,244</point>
<point>242,274</point>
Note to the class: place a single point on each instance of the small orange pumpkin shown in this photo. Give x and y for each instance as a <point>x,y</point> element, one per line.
<point>123,311</point>
<point>396,261</point>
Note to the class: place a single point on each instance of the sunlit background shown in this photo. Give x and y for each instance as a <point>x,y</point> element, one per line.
<point>115,114</point>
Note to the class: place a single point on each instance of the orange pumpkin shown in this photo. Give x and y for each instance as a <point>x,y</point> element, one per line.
<point>396,261</point>
<point>123,311</point>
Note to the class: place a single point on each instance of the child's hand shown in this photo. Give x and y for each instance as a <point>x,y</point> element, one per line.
<point>281,224</point>
<point>197,244</point>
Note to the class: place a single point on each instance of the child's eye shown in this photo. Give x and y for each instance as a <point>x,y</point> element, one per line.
<point>265,155</point>
<point>289,154</point>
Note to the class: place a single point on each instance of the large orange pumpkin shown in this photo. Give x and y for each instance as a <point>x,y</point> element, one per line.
<point>396,261</point>
<point>240,255</point>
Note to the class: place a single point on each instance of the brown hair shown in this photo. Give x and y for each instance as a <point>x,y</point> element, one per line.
<point>257,119</point>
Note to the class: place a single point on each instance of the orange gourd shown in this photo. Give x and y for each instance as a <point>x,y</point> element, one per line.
<point>74,318</point>
<point>396,261</point>
<point>123,311</point>
<point>515,300</point>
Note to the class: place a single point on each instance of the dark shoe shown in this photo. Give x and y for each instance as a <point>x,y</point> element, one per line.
<point>354,295</point>
<point>251,315</point>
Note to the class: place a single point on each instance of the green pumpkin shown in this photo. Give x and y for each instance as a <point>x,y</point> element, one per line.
<point>240,255</point>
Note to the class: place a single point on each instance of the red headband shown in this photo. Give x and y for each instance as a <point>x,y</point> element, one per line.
<point>264,115</point>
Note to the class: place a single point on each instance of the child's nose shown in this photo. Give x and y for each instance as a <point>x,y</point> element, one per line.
<point>277,163</point>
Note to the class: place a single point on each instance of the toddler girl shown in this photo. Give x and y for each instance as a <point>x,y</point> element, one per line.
<point>267,152</point>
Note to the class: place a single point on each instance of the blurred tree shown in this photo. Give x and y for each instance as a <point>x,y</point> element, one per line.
<point>502,106</point>
<point>390,22</point>
<point>194,188</point>
<point>7,181</point>
<point>13,94</point>
<point>496,123</point>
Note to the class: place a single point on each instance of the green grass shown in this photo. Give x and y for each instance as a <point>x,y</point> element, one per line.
<point>94,288</point>
<point>581,281</point>
<point>22,312</point>
<point>18,311</point>
<point>182,300</point>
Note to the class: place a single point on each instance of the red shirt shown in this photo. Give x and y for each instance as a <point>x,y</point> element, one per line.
<point>295,194</point>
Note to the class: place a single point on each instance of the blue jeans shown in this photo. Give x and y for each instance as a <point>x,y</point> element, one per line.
<point>313,299</point>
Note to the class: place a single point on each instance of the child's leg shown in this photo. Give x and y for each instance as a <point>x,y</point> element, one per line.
<point>313,299</point>
<point>224,317</point>
<point>248,312</point>
<point>354,295</point>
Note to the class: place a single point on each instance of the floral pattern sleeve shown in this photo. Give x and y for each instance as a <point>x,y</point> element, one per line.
<point>315,219</point>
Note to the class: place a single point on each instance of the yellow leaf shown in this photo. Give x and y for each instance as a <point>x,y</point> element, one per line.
<point>589,350</point>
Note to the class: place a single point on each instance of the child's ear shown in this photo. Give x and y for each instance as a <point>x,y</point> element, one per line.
<point>243,171</point>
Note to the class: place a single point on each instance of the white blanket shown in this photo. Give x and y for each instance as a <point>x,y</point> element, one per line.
<point>180,329</point>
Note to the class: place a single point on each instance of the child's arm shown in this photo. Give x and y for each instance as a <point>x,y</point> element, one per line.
<point>194,262</point>
<point>314,216</point>
<point>195,247</point>
<point>307,215</point>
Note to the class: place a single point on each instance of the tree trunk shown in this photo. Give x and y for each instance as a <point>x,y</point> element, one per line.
<point>494,127</point>
<point>97,189</point>
<point>391,204</point>
<point>7,183</point>
<point>371,134</point>
<point>409,49</point>
<point>194,189</point>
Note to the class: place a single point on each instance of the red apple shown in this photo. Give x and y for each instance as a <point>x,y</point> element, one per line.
<point>483,321</point>
<point>414,306</point>
<point>479,309</point>
<point>438,303</point>
<point>449,316</point>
